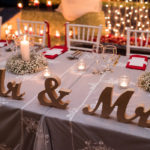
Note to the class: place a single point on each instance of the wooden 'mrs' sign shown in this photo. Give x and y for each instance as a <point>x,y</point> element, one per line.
<point>12,87</point>
<point>122,102</point>
<point>54,100</point>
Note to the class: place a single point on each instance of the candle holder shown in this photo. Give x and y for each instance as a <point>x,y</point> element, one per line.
<point>124,81</point>
<point>81,65</point>
<point>46,73</point>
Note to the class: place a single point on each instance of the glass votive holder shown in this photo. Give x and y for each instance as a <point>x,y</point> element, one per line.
<point>124,81</point>
<point>81,65</point>
<point>46,73</point>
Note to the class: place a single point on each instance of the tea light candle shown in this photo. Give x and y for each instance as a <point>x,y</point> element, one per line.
<point>7,32</point>
<point>49,3</point>
<point>36,2</point>
<point>46,73</point>
<point>20,5</point>
<point>57,34</point>
<point>41,32</point>
<point>25,51</point>
<point>25,29</point>
<point>40,41</point>
<point>16,33</point>
<point>30,30</point>
<point>70,33</point>
<point>81,65</point>
<point>124,81</point>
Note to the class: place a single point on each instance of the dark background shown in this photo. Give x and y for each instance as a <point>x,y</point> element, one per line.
<point>8,3</point>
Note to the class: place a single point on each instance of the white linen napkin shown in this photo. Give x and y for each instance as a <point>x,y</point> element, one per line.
<point>53,51</point>
<point>2,44</point>
<point>136,61</point>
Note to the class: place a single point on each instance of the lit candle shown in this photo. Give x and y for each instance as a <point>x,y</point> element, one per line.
<point>41,32</point>
<point>46,73</point>
<point>30,30</point>
<point>49,3</point>
<point>36,2</point>
<point>10,27</point>
<point>7,32</point>
<point>16,33</point>
<point>20,5</point>
<point>57,34</point>
<point>124,81</point>
<point>25,29</point>
<point>81,65</point>
<point>70,33</point>
<point>40,41</point>
<point>25,51</point>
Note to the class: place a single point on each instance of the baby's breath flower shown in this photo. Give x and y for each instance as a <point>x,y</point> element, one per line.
<point>144,81</point>
<point>16,65</point>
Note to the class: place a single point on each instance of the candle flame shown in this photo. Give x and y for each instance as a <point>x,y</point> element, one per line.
<point>41,32</point>
<point>16,33</point>
<point>30,30</point>
<point>49,3</point>
<point>25,28</point>
<point>57,33</point>
<point>20,5</point>
<point>70,33</point>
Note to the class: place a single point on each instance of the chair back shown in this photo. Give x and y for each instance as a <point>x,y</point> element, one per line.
<point>77,36</point>
<point>35,29</point>
<point>0,25</point>
<point>138,40</point>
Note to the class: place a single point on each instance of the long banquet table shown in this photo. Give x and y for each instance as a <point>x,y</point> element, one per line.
<point>27,125</point>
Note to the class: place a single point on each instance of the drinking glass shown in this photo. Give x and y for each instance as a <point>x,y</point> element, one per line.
<point>96,52</point>
<point>109,56</point>
<point>10,40</point>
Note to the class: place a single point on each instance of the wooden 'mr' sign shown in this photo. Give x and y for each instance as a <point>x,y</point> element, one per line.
<point>13,87</point>
<point>122,102</point>
<point>54,100</point>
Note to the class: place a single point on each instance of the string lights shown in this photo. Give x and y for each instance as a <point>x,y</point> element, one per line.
<point>129,14</point>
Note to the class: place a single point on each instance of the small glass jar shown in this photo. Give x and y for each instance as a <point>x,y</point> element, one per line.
<point>46,73</point>
<point>81,65</point>
<point>124,81</point>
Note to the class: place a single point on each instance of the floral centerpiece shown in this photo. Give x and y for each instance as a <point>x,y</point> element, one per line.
<point>144,81</point>
<point>16,65</point>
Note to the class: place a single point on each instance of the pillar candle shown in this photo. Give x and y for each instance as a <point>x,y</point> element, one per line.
<point>25,51</point>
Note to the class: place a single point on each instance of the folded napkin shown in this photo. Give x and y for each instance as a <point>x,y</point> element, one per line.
<point>2,43</point>
<point>54,51</point>
<point>137,62</point>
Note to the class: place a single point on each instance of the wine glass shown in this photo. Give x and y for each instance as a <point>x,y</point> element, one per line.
<point>10,40</point>
<point>96,52</point>
<point>17,41</point>
<point>31,44</point>
<point>109,56</point>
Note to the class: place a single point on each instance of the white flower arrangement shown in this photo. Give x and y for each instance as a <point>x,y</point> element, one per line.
<point>16,65</point>
<point>144,81</point>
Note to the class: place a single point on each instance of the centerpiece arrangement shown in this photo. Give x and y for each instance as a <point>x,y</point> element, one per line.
<point>24,62</point>
<point>144,81</point>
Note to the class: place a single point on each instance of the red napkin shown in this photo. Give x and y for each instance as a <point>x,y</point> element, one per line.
<point>137,65</point>
<point>3,41</point>
<point>64,49</point>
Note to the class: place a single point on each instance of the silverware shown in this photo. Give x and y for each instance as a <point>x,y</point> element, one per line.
<point>75,55</point>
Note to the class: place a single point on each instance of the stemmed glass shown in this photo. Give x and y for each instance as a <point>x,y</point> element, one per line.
<point>10,40</point>
<point>109,56</point>
<point>96,52</point>
<point>17,41</point>
<point>31,44</point>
